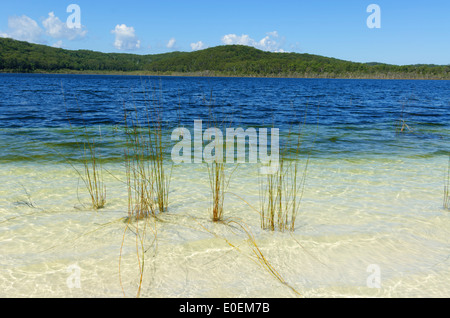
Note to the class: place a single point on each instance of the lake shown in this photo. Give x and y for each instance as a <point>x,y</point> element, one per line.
<point>371,221</point>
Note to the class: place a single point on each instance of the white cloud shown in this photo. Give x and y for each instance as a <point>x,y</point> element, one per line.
<point>57,29</point>
<point>171,43</point>
<point>198,46</point>
<point>271,42</point>
<point>23,29</point>
<point>125,38</point>
<point>244,39</point>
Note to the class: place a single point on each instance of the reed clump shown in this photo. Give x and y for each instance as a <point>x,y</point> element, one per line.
<point>147,182</point>
<point>217,173</point>
<point>281,191</point>
<point>147,179</point>
<point>219,184</point>
<point>160,176</point>
<point>280,196</point>
<point>92,173</point>
<point>138,170</point>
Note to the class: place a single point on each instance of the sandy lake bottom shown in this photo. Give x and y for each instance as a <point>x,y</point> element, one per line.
<point>362,221</point>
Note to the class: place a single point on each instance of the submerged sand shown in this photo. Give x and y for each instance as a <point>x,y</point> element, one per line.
<point>360,220</point>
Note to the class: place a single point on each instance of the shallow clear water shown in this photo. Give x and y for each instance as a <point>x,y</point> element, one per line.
<point>372,197</point>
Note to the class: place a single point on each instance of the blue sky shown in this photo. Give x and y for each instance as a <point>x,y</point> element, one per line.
<point>411,31</point>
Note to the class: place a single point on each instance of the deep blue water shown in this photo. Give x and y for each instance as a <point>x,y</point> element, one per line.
<point>342,117</point>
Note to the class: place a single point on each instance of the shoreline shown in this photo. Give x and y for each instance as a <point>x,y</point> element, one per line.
<point>219,75</point>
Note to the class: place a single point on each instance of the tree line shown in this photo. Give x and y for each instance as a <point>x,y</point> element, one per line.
<point>231,60</point>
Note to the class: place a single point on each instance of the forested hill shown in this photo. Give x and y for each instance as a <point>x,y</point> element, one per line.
<point>233,60</point>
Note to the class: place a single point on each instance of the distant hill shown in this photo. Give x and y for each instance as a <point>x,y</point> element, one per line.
<point>231,60</point>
